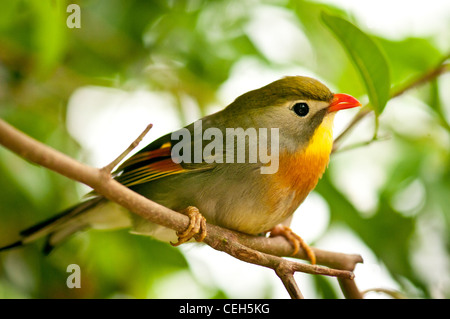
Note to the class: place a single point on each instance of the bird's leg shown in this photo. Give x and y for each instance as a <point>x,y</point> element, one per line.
<point>294,239</point>
<point>196,228</point>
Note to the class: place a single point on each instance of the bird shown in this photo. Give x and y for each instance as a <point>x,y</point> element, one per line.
<point>206,179</point>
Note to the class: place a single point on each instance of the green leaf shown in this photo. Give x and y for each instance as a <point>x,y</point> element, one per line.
<point>409,58</point>
<point>367,57</point>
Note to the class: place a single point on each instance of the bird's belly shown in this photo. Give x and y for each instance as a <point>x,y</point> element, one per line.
<point>250,214</point>
<point>249,219</point>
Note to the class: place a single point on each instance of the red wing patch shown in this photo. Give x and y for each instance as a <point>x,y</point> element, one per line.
<point>148,166</point>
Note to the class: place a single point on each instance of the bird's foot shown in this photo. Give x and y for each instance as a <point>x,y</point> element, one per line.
<point>295,240</point>
<point>196,228</point>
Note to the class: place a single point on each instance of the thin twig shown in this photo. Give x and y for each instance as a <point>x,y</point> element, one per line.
<point>360,144</point>
<point>358,117</point>
<point>424,78</point>
<point>441,68</point>
<point>108,168</point>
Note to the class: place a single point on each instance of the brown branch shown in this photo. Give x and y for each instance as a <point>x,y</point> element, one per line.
<point>103,184</point>
<point>441,68</point>
<point>349,289</point>
<point>256,250</point>
<point>287,277</point>
<point>231,243</point>
<point>279,246</point>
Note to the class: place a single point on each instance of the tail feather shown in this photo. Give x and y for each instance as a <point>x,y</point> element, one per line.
<point>39,226</point>
<point>13,245</point>
<point>55,238</point>
<point>57,228</point>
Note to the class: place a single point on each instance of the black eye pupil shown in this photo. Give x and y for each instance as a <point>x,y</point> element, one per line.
<point>301,109</point>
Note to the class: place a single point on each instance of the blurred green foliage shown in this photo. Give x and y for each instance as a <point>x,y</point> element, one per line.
<point>189,48</point>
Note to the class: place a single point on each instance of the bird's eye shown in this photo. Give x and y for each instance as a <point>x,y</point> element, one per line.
<point>301,109</point>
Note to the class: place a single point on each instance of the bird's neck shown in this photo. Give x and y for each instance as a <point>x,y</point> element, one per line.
<point>299,173</point>
<point>321,142</point>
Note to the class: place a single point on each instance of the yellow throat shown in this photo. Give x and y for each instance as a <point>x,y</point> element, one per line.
<point>299,173</point>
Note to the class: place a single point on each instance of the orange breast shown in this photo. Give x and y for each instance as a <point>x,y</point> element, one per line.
<point>299,172</point>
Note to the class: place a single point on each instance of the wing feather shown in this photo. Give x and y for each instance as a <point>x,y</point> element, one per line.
<point>149,164</point>
<point>154,162</point>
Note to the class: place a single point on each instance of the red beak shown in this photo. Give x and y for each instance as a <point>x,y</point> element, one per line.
<point>343,101</point>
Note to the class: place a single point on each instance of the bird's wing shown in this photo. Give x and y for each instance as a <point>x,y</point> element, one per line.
<point>154,162</point>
